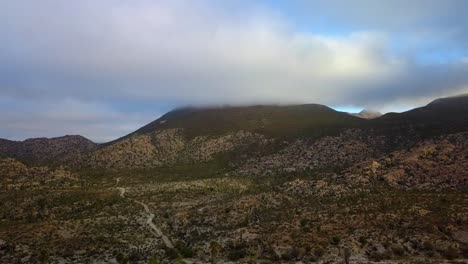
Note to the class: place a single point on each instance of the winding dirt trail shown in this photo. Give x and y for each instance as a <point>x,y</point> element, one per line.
<point>154,228</point>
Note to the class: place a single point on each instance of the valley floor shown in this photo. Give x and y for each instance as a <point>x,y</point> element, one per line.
<point>158,216</point>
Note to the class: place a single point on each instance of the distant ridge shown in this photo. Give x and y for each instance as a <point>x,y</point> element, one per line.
<point>47,150</point>
<point>367,114</point>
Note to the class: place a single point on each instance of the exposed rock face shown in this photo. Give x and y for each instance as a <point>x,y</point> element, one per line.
<point>61,150</point>
<point>166,147</point>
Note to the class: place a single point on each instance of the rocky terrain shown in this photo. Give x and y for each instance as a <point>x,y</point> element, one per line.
<point>169,147</point>
<point>60,150</point>
<point>437,164</point>
<point>262,184</point>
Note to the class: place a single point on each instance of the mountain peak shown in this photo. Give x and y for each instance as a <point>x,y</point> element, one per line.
<point>367,114</point>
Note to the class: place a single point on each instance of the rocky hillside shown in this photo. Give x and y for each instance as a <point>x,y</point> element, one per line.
<point>271,138</point>
<point>199,135</point>
<point>16,175</point>
<point>53,151</point>
<point>329,152</point>
<point>169,147</point>
<point>268,138</point>
<point>438,163</point>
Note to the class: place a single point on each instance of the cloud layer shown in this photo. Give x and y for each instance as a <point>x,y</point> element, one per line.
<point>98,67</point>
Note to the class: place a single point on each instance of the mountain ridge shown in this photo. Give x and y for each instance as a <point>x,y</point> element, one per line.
<point>273,122</point>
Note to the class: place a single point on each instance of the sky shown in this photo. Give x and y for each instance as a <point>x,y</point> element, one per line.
<point>104,68</point>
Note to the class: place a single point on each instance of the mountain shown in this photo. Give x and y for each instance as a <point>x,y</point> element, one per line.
<point>441,116</point>
<point>201,134</point>
<point>194,135</point>
<point>444,111</point>
<point>254,184</point>
<point>269,120</point>
<point>367,114</point>
<point>66,149</point>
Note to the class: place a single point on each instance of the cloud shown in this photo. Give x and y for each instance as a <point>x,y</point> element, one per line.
<point>100,54</point>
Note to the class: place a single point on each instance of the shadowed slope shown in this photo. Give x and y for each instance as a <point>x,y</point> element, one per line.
<point>275,121</point>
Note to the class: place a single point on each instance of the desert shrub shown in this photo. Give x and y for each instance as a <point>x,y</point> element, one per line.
<point>291,254</point>
<point>398,250</point>
<point>376,256</point>
<point>387,254</point>
<point>154,260</point>
<point>236,254</point>
<point>307,249</point>
<point>43,257</point>
<point>386,244</point>
<point>347,254</point>
<point>428,245</point>
<point>323,243</point>
<point>121,258</point>
<point>185,251</point>
<point>450,253</point>
<point>363,240</point>
<point>171,253</point>
<point>335,240</point>
<point>464,251</point>
<point>319,252</point>
<point>134,256</point>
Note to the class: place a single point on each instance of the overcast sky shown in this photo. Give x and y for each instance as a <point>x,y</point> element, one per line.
<point>104,68</point>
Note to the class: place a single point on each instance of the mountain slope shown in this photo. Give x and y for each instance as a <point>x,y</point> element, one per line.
<point>275,121</point>
<point>66,149</point>
<point>441,116</point>
<point>193,135</point>
<point>202,134</point>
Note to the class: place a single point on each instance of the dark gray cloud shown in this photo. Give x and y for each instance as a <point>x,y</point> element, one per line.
<point>89,58</point>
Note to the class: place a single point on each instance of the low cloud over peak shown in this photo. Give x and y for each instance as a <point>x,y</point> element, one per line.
<point>128,57</point>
